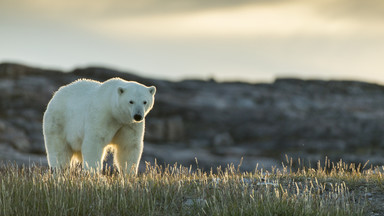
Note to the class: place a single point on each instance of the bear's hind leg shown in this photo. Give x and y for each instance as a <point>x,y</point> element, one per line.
<point>59,153</point>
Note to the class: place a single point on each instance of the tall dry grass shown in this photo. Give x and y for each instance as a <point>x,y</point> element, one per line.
<point>328,189</point>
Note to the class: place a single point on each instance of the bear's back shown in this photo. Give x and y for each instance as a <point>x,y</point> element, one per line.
<point>73,95</point>
<point>70,104</point>
<point>81,85</point>
<point>79,88</point>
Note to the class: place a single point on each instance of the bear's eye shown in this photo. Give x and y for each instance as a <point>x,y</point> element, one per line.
<point>145,102</point>
<point>131,102</point>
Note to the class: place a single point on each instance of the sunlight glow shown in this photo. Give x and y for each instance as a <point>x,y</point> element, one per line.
<point>250,21</point>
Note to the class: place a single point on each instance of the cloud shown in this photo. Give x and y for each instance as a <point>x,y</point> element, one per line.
<point>85,10</point>
<point>357,9</point>
<point>246,21</point>
<point>202,18</point>
<point>116,8</point>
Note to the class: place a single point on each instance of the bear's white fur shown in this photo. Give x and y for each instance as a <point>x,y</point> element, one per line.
<point>85,116</point>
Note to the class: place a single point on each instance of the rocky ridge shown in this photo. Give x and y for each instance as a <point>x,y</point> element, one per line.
<point>217,123</point>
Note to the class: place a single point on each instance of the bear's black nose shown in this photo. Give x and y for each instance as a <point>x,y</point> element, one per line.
<point>138,117</point>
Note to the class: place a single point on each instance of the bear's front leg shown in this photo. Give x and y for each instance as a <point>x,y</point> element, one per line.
<point>92,150</point>
<point>128,142</point>
<point>128,158</point>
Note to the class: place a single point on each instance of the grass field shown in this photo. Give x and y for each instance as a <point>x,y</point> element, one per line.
<point>328,189</point>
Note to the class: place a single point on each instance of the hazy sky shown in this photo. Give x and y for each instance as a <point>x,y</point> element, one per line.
<point>225,39</point>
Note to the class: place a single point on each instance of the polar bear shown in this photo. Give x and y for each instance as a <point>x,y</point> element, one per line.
<point>85,116</point>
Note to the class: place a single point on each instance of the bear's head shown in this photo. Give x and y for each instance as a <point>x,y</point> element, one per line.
<point>134,101</point>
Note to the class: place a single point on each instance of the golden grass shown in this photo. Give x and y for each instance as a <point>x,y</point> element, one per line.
<point>328,189</point>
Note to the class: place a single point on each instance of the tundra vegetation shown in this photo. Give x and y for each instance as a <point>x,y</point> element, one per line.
<point>296,189</point>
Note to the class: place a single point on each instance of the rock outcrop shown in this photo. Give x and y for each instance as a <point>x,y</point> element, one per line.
<point>216,123</point>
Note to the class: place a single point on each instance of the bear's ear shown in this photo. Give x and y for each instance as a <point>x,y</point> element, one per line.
<point>120,90</point>
<point>152,90</point>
